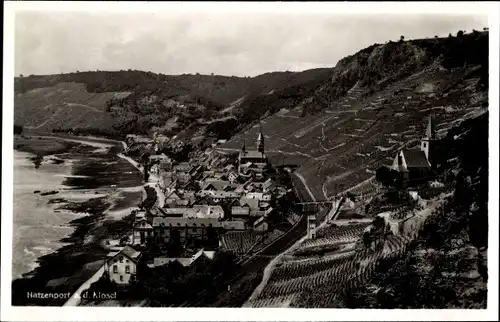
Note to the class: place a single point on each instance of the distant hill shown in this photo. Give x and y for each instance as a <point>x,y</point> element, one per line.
<point>121,102</point>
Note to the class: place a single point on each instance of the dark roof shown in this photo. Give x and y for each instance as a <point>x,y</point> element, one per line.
<point>252,154</point>
<point>416,159</point>
<point>129,252</point>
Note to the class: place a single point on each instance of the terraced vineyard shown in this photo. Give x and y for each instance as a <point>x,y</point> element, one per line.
<point>366,189</point>
<point>294,278</point>
<point>316,280</point>
<point>335,235</point>
<point>239,242</point>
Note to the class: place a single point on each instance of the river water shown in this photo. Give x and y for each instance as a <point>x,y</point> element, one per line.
<point>37,226</point>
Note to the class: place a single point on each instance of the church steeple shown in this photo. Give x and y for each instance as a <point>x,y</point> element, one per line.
<point>260,141</point>
<point>430,133</point>
<point>427,145</point>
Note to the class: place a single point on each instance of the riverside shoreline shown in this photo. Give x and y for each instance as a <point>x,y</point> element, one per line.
<point>82,253</point>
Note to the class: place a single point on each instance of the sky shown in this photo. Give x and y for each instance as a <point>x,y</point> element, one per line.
<point>225,44</point>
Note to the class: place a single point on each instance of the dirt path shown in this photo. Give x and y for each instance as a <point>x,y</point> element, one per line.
<point>301,178</point>
<point>86,106</point>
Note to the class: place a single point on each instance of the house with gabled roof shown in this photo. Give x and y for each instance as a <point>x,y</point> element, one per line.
<point>178,212</point>
<point>201,255</point>
<point>240,211</point>
<point>232,176</point>
<point>184,167</point>
<point>188,228</point>
<point>206,200</point>
<point>205,211</point>
<point>122,265</point>
<point>190,186</point>
<point>172,198</point>
<point>189,197</point>
<point>253,204</point>
<point>212,184</point>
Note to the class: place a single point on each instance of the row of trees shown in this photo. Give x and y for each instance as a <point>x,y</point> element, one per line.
<point>103,132</point>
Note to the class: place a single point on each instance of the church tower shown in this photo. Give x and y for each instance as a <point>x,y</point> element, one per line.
<point>260,141</point>
<point>427,143</point>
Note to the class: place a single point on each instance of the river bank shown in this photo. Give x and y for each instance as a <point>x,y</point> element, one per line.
<point>97,190</point>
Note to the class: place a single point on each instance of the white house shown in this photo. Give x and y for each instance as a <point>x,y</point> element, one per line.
<point>122,266</point>
<point>205,211</point>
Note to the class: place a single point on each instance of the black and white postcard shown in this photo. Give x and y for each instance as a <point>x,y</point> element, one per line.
<point>261,158</point>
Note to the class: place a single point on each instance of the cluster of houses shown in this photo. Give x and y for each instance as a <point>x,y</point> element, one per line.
<point>210,192</point>
<point>204,199</point>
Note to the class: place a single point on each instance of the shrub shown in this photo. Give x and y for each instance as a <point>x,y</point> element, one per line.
<point>18,129</point>
<point>386,176</point>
